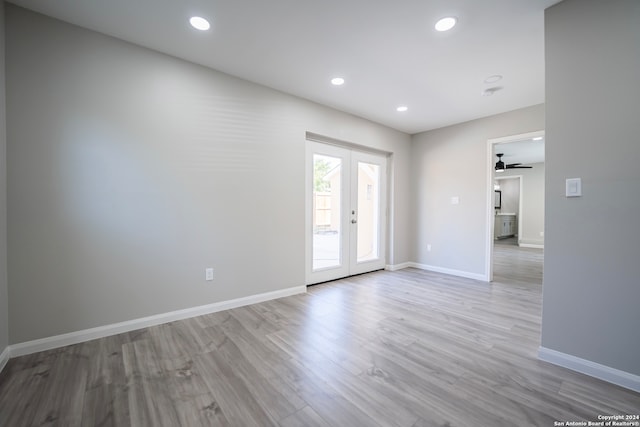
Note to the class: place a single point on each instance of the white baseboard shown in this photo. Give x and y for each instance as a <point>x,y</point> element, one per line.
<point>531,245</point>
<point>4,358</point>
<point>449,271</point>
<point>396,267</point>
<point>587,367</point>
<point>57,341</point>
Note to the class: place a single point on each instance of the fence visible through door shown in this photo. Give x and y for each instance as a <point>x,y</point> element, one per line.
<point>346,198</point>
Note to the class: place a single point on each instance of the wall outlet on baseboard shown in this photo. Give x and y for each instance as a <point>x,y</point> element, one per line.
<point>208,274</point>
<point>542,234</point>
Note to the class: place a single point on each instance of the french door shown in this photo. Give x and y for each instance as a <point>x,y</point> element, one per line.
<point>346,212</point>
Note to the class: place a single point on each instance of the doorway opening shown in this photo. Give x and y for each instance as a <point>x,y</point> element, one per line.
<point>509,215</point>
<point>515,210</point>
<point>346,212</point>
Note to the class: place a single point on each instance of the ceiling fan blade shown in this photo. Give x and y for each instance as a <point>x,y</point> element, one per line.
<point>514,164</point>
<point>519,167</point>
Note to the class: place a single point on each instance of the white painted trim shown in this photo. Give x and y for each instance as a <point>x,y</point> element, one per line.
<point>396,267</point>
<point>315,137</point>
<point>391,202</point>
<point>530,245</point>
<point>4,357</point>
<point>56,341</point>
<point>449,271</point>
<point>308,212</point>
<point>593,369</point>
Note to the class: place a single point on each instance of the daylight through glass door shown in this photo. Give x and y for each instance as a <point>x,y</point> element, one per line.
<point>345,212</point>
<point>368,212</point>
<point>327,188</point>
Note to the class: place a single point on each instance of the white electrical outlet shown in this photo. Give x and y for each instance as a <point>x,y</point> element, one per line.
<point>429,247</point>
<point>542,234</point>
<point>208,274</point>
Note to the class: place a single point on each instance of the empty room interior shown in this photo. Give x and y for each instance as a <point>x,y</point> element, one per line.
<point>244,213</point>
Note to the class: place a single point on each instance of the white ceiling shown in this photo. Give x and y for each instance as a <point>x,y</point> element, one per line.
<point>525,152</point>
<point>388,52</point>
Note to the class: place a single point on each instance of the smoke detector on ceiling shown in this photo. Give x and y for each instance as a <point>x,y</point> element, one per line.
<point>493,79</point>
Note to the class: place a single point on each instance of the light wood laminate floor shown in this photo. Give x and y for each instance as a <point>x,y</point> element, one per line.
<point>405,348</point>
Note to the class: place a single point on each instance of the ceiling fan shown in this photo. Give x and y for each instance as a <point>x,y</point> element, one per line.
<point>500,166</point>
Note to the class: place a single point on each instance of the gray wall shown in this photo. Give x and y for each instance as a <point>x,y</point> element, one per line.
<point>4,305</point>
<point>592,245</point>
<point>510,196</point>
<point>130,171</point>
<point>532,214</point>
<point>452,161</point>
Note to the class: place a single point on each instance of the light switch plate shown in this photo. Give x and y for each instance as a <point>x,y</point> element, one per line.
<point>573,187</point>
<point>455,200</point>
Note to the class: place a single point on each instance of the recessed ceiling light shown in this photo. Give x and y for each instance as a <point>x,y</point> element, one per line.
<point>445,24</point>
<point>402,108</point>
<point>491,90</point>
<point>199,23</point>
<point>337,81</point>
<point>537,138</point>
<point>493,79</point>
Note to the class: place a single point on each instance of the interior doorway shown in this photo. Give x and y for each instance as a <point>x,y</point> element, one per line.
<point>509,215</point>
<point>515,199</point>
<point>346,212</point>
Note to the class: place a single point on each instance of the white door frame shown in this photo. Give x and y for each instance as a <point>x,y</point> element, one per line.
<point>379,262</point>
<point>313,147</point>
<point>489,224</point>
<point>349,266</point>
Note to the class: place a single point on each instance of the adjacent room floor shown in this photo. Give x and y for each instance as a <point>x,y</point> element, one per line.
<point>516,265</point>
<point>405,348</point>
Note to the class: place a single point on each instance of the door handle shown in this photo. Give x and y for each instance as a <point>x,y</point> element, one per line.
<point>353,221</point>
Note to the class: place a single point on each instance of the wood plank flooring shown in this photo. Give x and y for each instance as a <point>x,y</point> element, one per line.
<point>406,348</point>
<point>515,265</point>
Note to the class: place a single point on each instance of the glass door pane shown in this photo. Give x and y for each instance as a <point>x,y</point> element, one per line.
<point>345,212</point>
<point>368,209</point>
<point>326,211</point>
<point>368,212</point>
